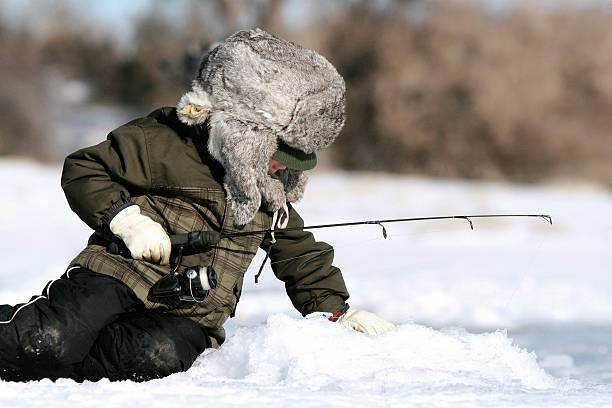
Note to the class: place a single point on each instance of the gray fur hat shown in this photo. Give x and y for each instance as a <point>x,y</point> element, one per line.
<point>253,89</point>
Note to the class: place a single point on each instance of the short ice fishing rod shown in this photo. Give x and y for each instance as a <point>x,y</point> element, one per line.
<point>203,240</point>
<point>195,283</point>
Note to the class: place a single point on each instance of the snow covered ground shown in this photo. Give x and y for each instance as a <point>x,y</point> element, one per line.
<point>514,313</point>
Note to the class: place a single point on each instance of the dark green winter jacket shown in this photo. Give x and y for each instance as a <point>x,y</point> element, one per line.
<point>163,166</point>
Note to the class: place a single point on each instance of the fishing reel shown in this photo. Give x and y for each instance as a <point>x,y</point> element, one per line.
<point>192,285</point>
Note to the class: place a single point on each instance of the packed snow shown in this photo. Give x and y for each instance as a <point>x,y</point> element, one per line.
<point>514,313</point>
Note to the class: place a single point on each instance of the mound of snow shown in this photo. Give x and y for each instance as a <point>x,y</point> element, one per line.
<point>315,354</point>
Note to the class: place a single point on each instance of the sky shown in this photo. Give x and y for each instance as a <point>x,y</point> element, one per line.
<point>117,16</point>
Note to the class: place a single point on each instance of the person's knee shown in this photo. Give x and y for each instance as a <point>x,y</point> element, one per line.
<point>145,346</point>
<point>160,358</point>
<point>43,352</point>
<point>56,342</point>
<point>44,342</point>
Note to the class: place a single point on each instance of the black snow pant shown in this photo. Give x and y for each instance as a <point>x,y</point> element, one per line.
<point>88,326</point>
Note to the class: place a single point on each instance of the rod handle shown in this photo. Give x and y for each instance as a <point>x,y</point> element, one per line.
<point>195,240</point>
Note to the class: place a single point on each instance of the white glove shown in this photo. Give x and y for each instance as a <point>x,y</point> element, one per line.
<point>364,322</point>
<point>145,238</point>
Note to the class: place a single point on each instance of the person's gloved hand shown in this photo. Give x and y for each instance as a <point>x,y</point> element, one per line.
<point>145,238</point>
<point>364,322</point>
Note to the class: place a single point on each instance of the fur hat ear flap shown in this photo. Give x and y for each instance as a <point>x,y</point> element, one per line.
<point>294,182</point>
<point>296,186</point>
<point>194,107</point>
<point>244,151</point>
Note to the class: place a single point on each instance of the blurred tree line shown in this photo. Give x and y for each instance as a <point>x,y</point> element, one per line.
<point>444,88</point>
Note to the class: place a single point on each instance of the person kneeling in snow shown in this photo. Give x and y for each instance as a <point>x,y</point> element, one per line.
<point>230,158</point>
